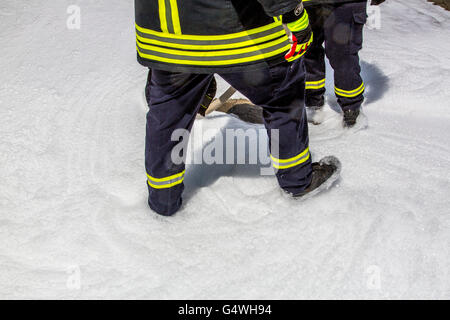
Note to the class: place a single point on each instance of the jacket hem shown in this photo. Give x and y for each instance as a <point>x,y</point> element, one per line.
<point>262,64</point>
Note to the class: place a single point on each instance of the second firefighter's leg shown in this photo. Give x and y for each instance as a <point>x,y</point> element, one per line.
<point>174,100</point>
<point>315,59</point>
<point>276,90</point>
<point>343,41</point>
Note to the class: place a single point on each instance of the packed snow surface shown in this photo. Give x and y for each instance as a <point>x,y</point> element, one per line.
<point>74,220</point>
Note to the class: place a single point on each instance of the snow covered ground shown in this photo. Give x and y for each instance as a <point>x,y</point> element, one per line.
<point>74,222</point>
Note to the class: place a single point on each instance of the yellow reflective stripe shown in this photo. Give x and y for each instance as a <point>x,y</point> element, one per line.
<point>175,17</point>
<point>202,50</point>
<point>166,178</point>
<point>215,46</point>
<point>300,24</point>
<point>351,93</point>
<point>315,84</point>
<point>214,63</point>
<point>167,182</point>
<point>164,186</point>
<point>211,38</point>
<point>308,87</point>
<point>293,164</point>
<point>212,53</point>
<point>290,159</point>
<point>162,15</point>
<point>289,163</point>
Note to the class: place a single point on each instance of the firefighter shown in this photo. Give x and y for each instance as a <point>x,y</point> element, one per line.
<point>338,25</point>
<point>185,43</point>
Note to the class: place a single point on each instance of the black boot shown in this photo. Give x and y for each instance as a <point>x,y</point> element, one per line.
<point>325,173</point>
<point>208,98</point>
<point>350,117</point>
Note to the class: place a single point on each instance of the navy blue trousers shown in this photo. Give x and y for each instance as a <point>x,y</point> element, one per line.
<point>174,99</point>
<point>338,35</point>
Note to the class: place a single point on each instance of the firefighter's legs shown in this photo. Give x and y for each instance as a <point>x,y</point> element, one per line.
<point>343,31</point>
<point>174,100</point>
<point>276,90</point>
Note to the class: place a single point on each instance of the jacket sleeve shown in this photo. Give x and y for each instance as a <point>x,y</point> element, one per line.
<point>276,8</point>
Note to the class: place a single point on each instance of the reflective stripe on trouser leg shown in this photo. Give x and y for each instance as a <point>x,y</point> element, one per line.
<point>350,99</point>
<point>350,93</point>
<point>314,85</point>
<point>166,182</point>
<point>291,162</point>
